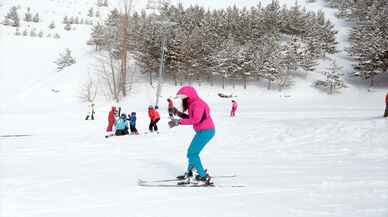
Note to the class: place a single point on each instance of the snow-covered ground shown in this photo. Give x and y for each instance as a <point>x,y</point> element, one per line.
<point>299,153</point>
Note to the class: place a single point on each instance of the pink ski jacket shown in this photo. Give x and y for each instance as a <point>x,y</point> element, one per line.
<point>234,106</point>
<point>199,112</point>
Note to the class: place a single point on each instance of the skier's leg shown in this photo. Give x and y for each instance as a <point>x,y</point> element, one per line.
<point>151,126</point>
<point>199,141</point>
<point>110,127</point>
<point>386,110</point>
<point>156,126</point>
<point>87,117</point>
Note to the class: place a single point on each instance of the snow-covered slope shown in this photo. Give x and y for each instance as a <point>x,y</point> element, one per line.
<point>299,152</point>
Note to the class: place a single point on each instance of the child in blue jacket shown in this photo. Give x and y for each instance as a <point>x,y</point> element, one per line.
<point>132,123</point>
<point>122,126</point>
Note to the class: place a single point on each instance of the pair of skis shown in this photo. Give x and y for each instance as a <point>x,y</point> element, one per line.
<point>180,183</point>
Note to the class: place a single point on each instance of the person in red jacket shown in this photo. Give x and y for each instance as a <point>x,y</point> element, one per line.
<point>154,118</point>
<point>386,106</point>
<point>111,119</point>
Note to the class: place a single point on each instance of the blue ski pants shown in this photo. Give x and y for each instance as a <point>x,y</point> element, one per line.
<point>199,141</point>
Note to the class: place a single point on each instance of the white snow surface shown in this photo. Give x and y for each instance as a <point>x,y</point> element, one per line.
<point>298,152</point>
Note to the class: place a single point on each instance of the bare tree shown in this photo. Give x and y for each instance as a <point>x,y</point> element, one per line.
<point>89,91</point>
<point>108,72</point>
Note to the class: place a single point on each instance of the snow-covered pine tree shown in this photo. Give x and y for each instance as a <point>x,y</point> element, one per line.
<point>13,17</point>
<point>295,22</point>
<point>64,60</point>
<point>40,34</point>
<point>226,60</point>
<point>100,3</point>
<point>25,32</point>
<point>333,78</point>
<point>97,14</point>
<point>17,32</point>
<point>368,42</point>
<point>57,36</point>
<point>290,60</point>
<point>52,25</point>
<point>71,20</point>
<point>65,20</point>
<point>177,57</point>
<point>97,36</point>
<point>91,12</point>
<point>36,18</point>
<point>76,20</point>
<point>67,27</point>
<point>28,15</point>
<point>105,3</point>
<point>33,33</point>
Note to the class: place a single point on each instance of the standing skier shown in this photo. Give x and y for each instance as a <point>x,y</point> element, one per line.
<point>154,118</point>
<point>132,123</point>
<point>111,119</point>
<point>91,112</point>
<point>386,106</point>
<point>198,116</point>
<point>234,108</point>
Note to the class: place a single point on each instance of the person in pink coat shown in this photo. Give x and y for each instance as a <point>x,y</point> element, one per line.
<point>234,108</point>
<point>197,113</point>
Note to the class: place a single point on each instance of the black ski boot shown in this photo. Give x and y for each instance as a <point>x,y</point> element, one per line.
<point>187,175</point>
<point>204,180</point>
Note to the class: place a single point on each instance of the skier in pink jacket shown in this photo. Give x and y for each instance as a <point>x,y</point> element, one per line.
<point>198,115</point>
<point>234,108</point>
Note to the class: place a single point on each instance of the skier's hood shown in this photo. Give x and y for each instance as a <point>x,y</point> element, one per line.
<point>189,92</point>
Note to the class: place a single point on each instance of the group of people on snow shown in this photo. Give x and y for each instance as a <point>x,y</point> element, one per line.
<point>121,124</point>
<point>125,125</point>
<point>194,111</point>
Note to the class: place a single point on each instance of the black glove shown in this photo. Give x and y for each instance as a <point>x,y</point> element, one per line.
<point>173,123</point>
<point>174,110</point>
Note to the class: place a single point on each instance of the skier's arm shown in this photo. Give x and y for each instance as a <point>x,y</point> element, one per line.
<point>195,118</point>
<point>182,115</point>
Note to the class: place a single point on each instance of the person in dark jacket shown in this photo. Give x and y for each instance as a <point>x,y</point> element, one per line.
<point>132,123</point>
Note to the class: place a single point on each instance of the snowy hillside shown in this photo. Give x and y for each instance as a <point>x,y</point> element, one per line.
<point>299,152</point>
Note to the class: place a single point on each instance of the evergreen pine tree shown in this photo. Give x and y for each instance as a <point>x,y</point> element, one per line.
<point>64,60</point>
<point>33,33</point>
<point>65,20</point>
<point>91,12</point>
<point>333,78</point>
<point>28,16</point>
<point>52,25</point>
<point>17,32</point>
<point>13,17</point>
<point>36,18</point>
<point>68,27</point>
